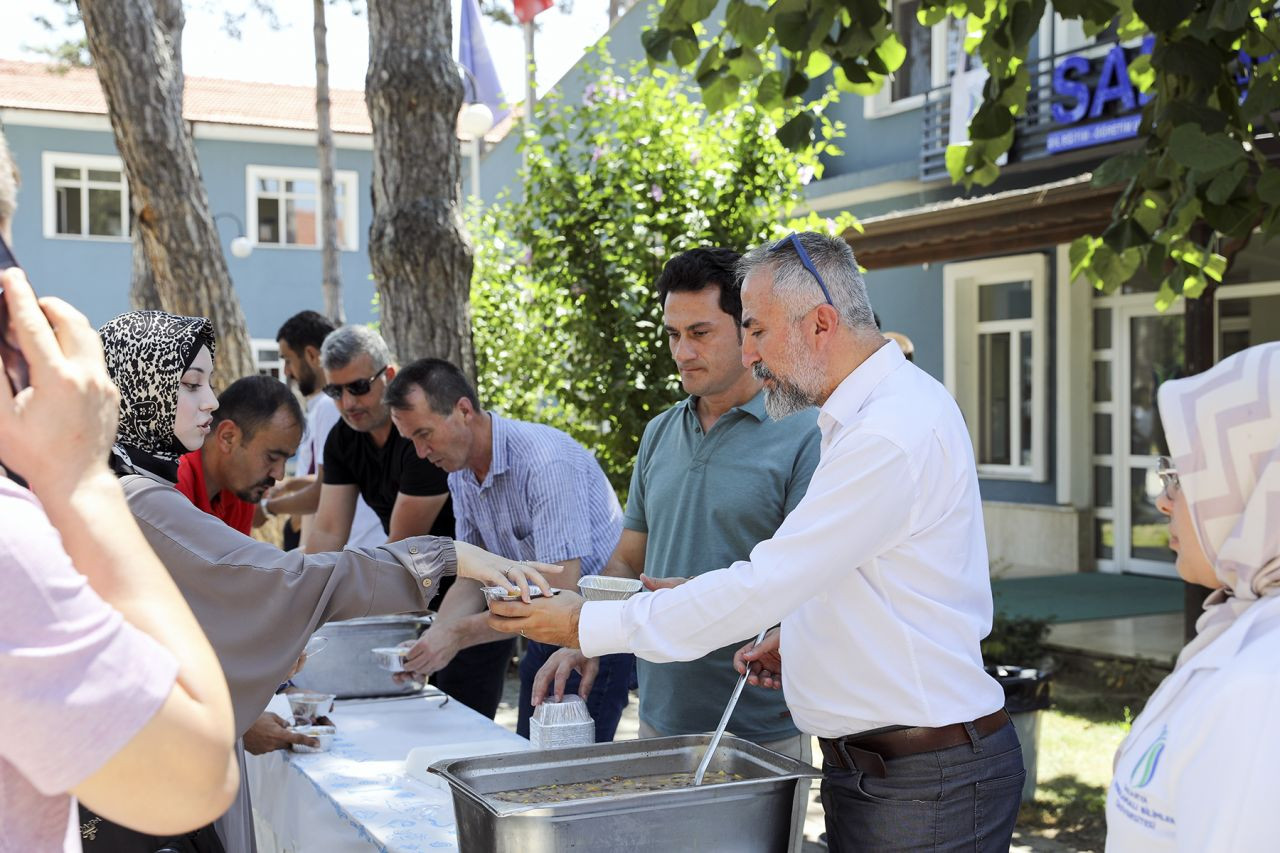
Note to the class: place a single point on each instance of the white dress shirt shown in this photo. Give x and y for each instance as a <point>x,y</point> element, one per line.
<point>879,576</point>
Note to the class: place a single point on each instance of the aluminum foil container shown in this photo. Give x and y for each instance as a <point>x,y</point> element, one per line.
<point>600,588</point>
<point>501,593</point>
<point>324,734</point>
<point>307,706</point>
<point>555,725</point>
<point>391,658</point>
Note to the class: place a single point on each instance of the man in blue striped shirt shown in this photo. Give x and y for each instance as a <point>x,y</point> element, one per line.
<point>521,490</point>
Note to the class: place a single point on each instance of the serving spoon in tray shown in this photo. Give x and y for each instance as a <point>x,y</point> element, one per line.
<point>724,720</point>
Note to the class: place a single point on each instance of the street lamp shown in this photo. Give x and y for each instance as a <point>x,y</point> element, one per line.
<point>241,246</point>
<point>474,120</point>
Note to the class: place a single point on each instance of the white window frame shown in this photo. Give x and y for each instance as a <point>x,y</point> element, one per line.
<point>269,367</point>
<point>50,160</point>
<point>350,236</point>
<point>961,328</point>
<point>882,104</point>
<point>1243,290</point>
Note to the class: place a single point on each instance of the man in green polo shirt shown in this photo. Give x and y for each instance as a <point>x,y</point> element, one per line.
<point>713,477</point>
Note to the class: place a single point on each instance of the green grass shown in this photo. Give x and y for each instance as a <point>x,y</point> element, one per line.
<point>1093,703</point>
<point>1074,772</point>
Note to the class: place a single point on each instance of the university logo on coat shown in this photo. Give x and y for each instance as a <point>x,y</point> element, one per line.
<point>1145,770</point>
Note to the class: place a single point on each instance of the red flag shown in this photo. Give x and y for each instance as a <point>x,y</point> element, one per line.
<point>526,9</point>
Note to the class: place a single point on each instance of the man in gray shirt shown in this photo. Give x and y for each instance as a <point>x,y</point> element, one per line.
<point>713,476</point>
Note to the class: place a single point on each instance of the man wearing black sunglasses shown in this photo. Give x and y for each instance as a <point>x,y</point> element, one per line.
<point>366,456</point>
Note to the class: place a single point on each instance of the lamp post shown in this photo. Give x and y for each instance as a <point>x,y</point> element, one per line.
<point>241,246</point>
<point>474,120</point>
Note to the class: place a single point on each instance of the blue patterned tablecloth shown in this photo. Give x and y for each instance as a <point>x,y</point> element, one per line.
<point>356,796</point>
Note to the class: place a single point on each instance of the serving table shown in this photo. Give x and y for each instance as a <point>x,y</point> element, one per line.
<point>357,796</point>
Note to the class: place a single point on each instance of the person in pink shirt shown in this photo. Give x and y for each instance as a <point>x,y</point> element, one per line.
<point>109,691</point>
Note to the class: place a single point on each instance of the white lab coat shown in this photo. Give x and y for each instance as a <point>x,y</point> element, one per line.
<point>1200,768</point>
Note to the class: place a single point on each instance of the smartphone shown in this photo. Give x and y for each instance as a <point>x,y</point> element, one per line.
<point>15,364</point>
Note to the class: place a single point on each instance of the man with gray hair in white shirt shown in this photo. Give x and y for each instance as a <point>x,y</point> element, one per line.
<point>879,577</point>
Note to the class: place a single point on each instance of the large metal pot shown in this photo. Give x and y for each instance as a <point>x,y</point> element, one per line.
<point>347,666</point>
<point>761,813</point>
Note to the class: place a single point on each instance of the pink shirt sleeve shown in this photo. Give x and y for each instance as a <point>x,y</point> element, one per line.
<point>77,682</point>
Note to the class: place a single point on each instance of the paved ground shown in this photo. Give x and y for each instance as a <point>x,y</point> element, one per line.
<point>813,825</point>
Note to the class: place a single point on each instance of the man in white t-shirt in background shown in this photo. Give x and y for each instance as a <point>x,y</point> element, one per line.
<point>299,339</point>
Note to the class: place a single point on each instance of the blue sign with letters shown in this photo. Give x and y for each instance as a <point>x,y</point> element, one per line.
<point>1113,95</point>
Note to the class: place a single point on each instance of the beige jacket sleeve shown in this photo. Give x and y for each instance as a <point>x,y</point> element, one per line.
<point>258,605</point>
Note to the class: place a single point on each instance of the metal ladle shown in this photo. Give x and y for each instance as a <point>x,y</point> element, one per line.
<point>724,720</point>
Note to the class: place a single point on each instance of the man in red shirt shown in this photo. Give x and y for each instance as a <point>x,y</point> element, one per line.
<point>256,428</point>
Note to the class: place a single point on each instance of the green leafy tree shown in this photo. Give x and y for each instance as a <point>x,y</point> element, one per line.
<point>567,328</point>
<point>1195,187</point>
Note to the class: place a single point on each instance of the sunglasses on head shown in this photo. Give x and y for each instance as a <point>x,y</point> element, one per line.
<point>793,240</point>
<point>358,388</point>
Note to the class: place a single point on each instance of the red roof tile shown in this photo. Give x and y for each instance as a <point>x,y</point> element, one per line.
<point>37,86</point>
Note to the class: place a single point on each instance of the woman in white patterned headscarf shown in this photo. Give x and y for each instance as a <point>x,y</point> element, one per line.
<point>1201,765</point>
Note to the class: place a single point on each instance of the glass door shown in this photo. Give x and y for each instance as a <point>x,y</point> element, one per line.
<point>1136,349</point>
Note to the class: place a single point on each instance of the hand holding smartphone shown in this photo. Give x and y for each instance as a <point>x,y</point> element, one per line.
<point>15,364</point>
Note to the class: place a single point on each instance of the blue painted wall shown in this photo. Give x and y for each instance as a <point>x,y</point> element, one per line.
<point>909,300</point>
<point>272,283</point>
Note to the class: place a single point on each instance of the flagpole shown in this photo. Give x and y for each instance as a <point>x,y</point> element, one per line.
<point>530,95</point>
<point>529,92</point>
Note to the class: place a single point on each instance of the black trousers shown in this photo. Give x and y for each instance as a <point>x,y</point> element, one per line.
<point>475,676</point>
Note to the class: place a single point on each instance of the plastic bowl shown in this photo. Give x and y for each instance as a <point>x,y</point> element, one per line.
<point>391,658</point>
<point>307,706</point>
<point>324,734</point>
<point>598,588</point>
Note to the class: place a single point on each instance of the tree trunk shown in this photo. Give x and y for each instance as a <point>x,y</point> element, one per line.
<point>1197,358</point>
<point>420,255</point>
<point>131,42</point>
<point>331,282</point>
<point>143,294</point>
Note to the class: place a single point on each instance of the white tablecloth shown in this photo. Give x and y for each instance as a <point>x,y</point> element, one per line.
<point>356,797</point>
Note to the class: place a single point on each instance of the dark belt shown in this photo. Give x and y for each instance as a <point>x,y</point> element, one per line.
<point>868,752</point>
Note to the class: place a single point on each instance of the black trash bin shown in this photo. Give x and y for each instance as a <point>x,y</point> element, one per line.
<point>1026,694</point>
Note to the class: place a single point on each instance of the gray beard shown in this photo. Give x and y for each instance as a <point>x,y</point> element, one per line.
<point>783,397</point>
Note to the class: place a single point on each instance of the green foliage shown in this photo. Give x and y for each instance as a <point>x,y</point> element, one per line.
<point>567,328</point>
<point>1015,642</point>
<point>1200,178</point>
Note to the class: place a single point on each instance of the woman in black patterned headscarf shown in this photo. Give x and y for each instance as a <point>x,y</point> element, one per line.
<point>162,364</point>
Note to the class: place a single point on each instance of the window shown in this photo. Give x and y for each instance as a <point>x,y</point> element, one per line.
<point>995,341</point>
<point>85,195</point>
<point>266,357</point>
<point>932,52</point>
<point>284,207</point>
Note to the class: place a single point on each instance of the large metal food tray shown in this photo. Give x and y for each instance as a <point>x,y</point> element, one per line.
<point>761,812</point>
<point>348,668</point>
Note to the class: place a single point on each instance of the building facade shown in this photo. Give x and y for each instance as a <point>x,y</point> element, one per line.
<point>256,146</point>
<point>1056,381</point>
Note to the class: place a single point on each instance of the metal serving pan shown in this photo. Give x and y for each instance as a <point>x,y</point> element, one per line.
<point>758,814</point>
<point>348,666</point>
